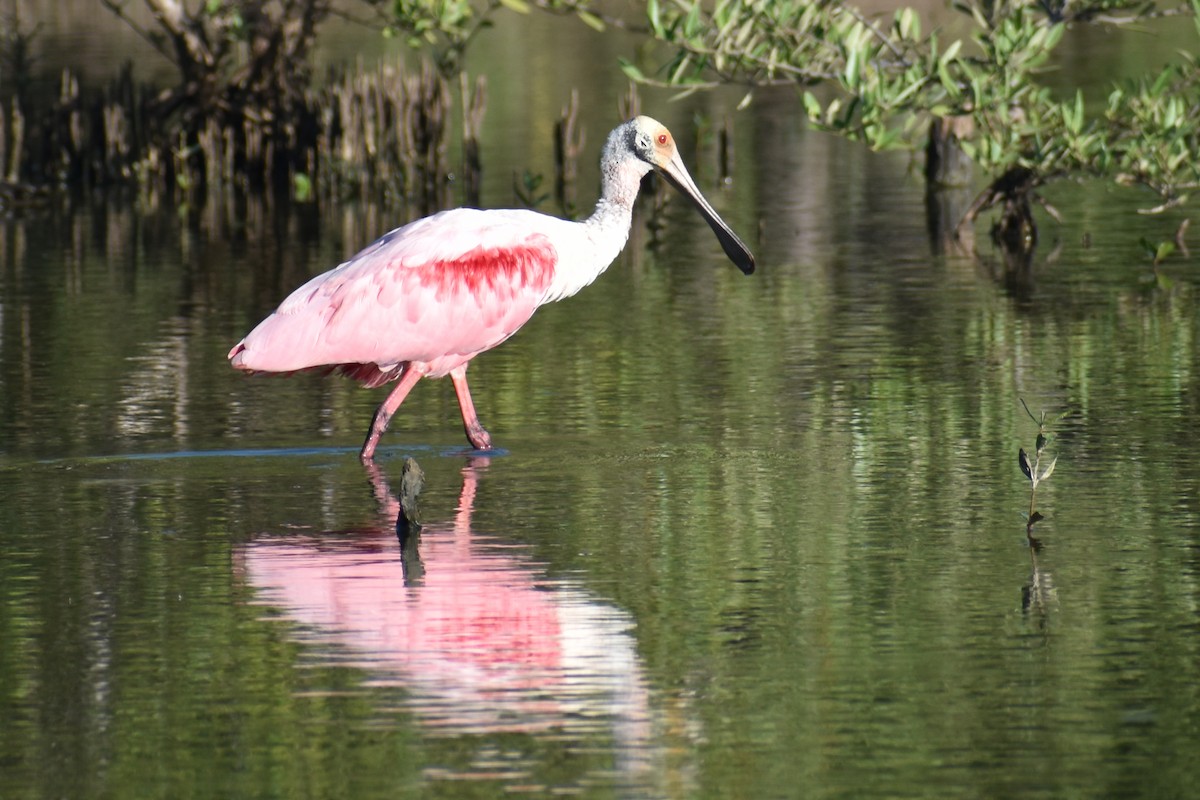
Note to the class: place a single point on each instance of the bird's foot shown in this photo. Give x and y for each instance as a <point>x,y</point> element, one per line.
<point>479,438</point>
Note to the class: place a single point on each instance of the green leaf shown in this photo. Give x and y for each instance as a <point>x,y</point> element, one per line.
<point>812,106</point>
<point>1053,35</point>
<point>1171,116</point>
<point>908,91</point>
<point>631,71</point>
<point>1049,470</point>
<point>686,93</point>
<point>951,51</point>
<point>676,76</point>
<point>1074,119</point>
<point>520,6</point>
<point>831,112</point>
<point>948,82</point>
<point>691,23</point>
<point>654,15</point>
<point>850,73</point>
<point>883,138</point>
<point>1160,83</point>
<point>301,187</point>
<point>592,21</point>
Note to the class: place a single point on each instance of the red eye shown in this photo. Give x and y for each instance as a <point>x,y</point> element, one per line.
<point>663,138</point>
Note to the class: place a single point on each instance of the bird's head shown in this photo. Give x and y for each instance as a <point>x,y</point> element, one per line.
<point>651,142</point>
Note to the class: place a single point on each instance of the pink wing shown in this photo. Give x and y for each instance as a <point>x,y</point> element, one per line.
<point>437,291</point>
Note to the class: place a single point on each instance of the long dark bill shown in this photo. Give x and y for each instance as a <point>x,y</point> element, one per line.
<point>737,251</point>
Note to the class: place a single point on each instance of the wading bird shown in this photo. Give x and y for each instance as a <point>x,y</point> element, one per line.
<point>425,299</point>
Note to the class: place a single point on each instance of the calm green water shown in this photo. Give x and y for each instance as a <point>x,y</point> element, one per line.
<point>747,537</point>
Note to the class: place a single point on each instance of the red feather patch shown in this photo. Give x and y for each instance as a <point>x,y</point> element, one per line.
<point>503,269</point>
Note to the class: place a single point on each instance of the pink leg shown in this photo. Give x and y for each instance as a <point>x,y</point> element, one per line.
<point>383,414</point>
<point>475,432</point>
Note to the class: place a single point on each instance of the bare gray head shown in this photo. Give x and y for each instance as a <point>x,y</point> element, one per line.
<point>641,144</point>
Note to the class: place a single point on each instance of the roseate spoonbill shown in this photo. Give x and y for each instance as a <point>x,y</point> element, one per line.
<point>426,298</point>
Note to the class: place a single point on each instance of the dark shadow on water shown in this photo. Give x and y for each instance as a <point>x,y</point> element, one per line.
<point>383,454</point>
<point>1016,271</point>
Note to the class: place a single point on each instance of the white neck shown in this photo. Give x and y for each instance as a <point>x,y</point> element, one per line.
<point>607,229</point>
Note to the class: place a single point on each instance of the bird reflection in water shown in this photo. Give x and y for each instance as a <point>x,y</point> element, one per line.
<point>482,640</point>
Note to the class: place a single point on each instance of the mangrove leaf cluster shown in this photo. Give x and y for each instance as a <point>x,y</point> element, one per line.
<point>882,80</point>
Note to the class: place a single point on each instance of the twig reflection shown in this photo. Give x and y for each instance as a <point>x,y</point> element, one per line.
<point>1038,593</point>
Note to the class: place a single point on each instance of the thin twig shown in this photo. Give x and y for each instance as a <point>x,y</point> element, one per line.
<point>870,25</point>
<point>154,41</point>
